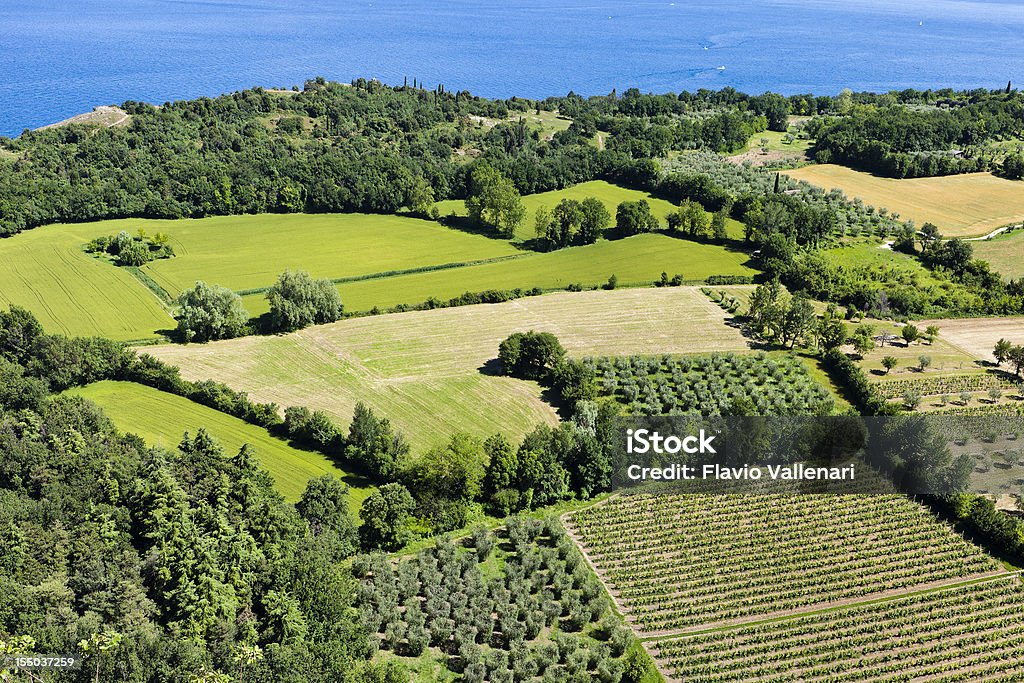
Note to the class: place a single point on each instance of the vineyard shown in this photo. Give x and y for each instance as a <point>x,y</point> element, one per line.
<point>711,384</point>
<point>938,385</point>
<point>509,607</point>
<point>969,633</point>
<point>680,563</point>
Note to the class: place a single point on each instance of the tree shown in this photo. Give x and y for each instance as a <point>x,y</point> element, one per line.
<point>719,221</point>
<point>567,218</point>
<point>1016,358</point>
<point>775,108</point>
<point>421,197</point>
<point>863,340</point>
<point>324,506</point>
<point>766,310</point>
<point>889,362</point>
<point>798,320</point>
<point>530,355</point>
<point>831,332</point>
<point>543,223</point>
<point>923,362</point>
<point>386,514</point>
<point>1002,351</point>
<point>931,333</point>
<point>1013,166</point>
<point>596,220</point>
<point>690,219</point>
<point>911,399</point>
<point>374,446</point>
<point>910,333</point>
<point>494,201</point>
<point>454,471</point>
<point>633,218</point>
<point>134,253</point>
<point>297,300</point>
<point>206,313</point>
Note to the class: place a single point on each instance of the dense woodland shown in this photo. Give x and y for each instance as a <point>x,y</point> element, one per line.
<point>370,147</point>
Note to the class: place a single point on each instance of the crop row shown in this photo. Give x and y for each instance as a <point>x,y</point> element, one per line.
<point>679,561</point>
<point>966,633</point>
<point>937,385</point>
<point>710,384</point>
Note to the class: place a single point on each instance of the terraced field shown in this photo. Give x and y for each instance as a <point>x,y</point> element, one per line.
<point>431,371</point>
<point>161,419</point>
<point>966,205</point>
<point>968,633</point>
<point>683,563</point>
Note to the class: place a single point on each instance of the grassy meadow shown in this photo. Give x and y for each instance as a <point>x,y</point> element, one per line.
<point>73,293</point>
<point>46,271</point>
<point>873,254</point>
<point>637,260</point>
<point>325,245</point>
<point>967,205</point>
<point>430,372</point>
<point>161,419</point>
<point>1003,252</point>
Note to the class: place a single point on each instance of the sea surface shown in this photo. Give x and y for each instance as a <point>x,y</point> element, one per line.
<point>59,57</point>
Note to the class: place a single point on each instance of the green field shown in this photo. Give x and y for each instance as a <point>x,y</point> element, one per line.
<point>325,245</point>
<point>431,372</point>
<point>971,204</point>
<point>610,195</point>
<point>46,271</point>
<point>874,255</point>
<point>634,260</point>
<point>161,419</point>
<point>73,293</point>
<point>1003,253</point>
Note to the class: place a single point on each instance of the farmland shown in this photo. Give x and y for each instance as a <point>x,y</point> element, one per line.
<point>745,556</point>
<point>962,206</point>
<point>87,296</point>
<point>326,246</point>
<point>977,336</point>
<point>47,272</point>
<point>161,419</point>
<point>638,260</point>
<point>1003,253</point>
<point>427,371</point>
<point>515,604</point>
<point>972,633</point>
<point>711,384</point>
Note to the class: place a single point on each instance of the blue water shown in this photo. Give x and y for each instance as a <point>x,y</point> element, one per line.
<point>61,57</point>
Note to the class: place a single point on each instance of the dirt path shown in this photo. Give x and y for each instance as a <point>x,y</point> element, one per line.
<point>992,234</point>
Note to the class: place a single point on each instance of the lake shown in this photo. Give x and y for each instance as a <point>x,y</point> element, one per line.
<point>61,58</point>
